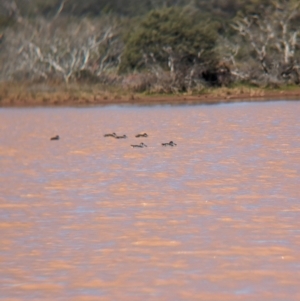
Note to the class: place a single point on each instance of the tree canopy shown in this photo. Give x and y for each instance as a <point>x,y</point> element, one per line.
<point>180,32</point>
<point>179,41</point>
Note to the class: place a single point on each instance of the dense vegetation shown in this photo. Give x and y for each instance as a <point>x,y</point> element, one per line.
<point>151,45</point>
<point>78,8</point>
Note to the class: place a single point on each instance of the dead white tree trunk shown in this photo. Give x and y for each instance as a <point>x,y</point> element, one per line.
<point>273,37</point>
<point>61,48</point>
<point>259,33</point>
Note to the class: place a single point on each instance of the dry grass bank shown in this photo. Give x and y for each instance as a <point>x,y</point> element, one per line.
<point>22,95</point>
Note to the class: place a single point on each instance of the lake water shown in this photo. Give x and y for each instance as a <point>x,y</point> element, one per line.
<point>89,218</point>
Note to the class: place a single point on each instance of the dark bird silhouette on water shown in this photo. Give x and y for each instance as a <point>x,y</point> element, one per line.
<point>141,135</point>
<point>110,135</point>
<point>55,138</point>
<point>171,143</point>
<point>120,137</point>
<point>141,145</point>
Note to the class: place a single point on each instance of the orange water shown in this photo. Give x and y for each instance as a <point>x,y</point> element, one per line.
<point>90,218</point>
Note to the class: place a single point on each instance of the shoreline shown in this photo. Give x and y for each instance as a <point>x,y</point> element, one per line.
<point>97,97</point>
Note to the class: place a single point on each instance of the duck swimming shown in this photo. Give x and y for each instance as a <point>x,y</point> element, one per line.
<point>55,138</point>
<point>139,145</point>
<point>141,135</point>
<point>171,143</point>
<point>120,137</point>
<point>110,135</point>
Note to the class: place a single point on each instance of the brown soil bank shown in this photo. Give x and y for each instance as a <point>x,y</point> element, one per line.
<point>18,96</point>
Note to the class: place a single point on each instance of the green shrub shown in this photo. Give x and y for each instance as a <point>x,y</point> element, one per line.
<point>180,29</point>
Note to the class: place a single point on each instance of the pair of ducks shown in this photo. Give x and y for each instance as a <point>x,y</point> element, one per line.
<point>171,143</point>
<point>114,135</point>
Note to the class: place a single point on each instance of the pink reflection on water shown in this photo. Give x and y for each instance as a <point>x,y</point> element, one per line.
<point>90,218</point>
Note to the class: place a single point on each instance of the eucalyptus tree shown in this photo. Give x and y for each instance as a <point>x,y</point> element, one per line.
<point>274,39</point>
<point>177,40</point>
<point>60,48</point>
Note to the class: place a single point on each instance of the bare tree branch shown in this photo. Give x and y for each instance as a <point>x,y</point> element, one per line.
<point>62,48</point>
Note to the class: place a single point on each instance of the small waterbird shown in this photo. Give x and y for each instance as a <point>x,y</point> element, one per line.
<point>110,135</point>
<point>139,145</point>
<point>55,138</point>
<point>171,143</point>
<point>120,137</point>
<point>141,135</point>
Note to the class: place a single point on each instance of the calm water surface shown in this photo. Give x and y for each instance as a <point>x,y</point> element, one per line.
<point>90,218</point>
